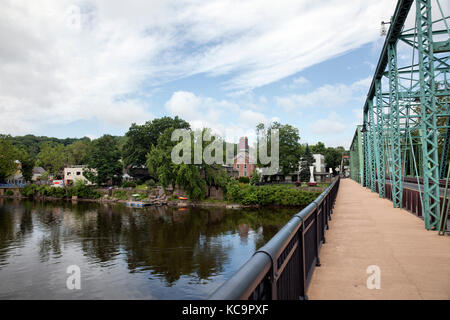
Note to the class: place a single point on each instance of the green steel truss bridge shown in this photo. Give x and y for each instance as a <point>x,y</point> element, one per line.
<point>405,137</point>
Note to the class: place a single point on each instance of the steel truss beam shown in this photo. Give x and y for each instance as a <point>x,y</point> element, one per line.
<point>394,124</point>
<point>379,141</point>
<point>428,112</point>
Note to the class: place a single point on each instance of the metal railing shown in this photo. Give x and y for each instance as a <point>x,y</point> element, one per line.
<point>282,269</point>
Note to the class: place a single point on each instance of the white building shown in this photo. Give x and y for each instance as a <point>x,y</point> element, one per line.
<point>75,173</point>
<point>319,164</point>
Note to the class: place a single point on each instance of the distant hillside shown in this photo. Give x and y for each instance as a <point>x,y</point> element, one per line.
<point>33,143</point>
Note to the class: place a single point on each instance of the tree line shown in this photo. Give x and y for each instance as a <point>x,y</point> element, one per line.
<point>148,147</point>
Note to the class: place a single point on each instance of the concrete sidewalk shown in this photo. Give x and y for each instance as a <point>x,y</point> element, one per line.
<point>366,230</point>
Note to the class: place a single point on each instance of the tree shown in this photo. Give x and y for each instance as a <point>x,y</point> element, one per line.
<point>307,161</point>
<point>333,157</point>
<point>104,156</point>
<point>141,138</point>
<point>255,178</point>
<point>27,163</point>
<point>159,162</point>
<point>319,148</point>
<point>7,158</point>
<point>52,158</point>
<point>289,145</point>
<point>77,152</point>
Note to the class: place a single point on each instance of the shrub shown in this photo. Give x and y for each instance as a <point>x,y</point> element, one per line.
<point>120,194</point>
<point>9,193</point>
<point>269,195</point>
<point>150,183</point>
<point>28,190</point>
<point>244,179</point>
<point>128,184</point>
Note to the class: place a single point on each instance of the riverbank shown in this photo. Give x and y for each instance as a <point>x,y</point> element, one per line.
<point>237,196</point>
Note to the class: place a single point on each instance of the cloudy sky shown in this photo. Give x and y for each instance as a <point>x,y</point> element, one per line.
<point>86,68</point>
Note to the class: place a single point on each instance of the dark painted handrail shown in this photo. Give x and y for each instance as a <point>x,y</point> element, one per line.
<point>283,267</point>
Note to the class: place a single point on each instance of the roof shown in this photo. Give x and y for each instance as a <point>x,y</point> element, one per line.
<point>38,170</point>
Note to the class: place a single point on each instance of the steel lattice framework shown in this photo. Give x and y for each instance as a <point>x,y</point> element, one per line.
<point>406,114</point>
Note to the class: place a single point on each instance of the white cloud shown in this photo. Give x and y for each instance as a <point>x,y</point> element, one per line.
<point>55,71</point>
<point>225,117</point>
<point>326,96</point>
<point>333,124</point>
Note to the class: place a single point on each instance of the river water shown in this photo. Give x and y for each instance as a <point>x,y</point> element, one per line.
<point>126,253</point>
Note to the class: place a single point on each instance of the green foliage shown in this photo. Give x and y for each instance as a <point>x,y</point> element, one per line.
<point>33,144</point>
<point>9,193</point>
<point>255,178</point>
<point>52,158</point>
<point>269,195</point>
<point>120,194</point>
<point>333,157</point>
<point>244,179</point>
<point>77,152</point>
<point>189,178</point>
<point>290,149</point>
<point>319,148</point>
<point>27,163</point>
<point>141,138</point>
<point>82,190</point>
<point>307,161</point>
<point>103,156</point>
<point>128,184</point>
<point>150,183</point>
<point>7,158</point>
<point>28,190</point>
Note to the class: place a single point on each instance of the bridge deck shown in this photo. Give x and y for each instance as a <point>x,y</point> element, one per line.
<point>366,230</point>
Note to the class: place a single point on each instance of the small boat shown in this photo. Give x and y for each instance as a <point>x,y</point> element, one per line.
<point>137,204</point>
<point>182,198</point>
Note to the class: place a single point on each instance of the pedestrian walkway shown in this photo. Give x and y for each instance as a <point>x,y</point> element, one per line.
<point>366,230</point>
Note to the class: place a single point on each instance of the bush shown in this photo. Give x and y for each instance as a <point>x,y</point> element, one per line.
<point>150,183</point>
<point>9,193</point>
<point>128,184</point>
<point>83,191</point>
<point>28,190</point>
<point>269,195</point>
<point>244,179</point>
<point>120,194</point>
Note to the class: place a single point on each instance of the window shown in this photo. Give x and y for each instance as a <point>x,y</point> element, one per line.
<point>238,166</point>
<point>68,173</point>
<point>245,166</point>
<point>78,173</point>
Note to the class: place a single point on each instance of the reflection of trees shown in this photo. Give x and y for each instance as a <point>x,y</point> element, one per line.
<point>100,233</point>
<point>168,242</point>
<point>172,244</point>
<point>15,224</point>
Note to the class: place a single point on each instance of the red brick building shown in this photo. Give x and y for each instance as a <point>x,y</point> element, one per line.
<point>244,162</point>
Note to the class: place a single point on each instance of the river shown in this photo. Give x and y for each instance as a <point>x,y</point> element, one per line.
<point>126,253</point>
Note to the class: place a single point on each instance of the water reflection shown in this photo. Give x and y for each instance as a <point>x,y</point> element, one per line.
<point>157,252</point>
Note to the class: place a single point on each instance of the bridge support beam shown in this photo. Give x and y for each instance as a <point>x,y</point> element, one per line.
<point>379,142</point>
<point>428,114</point>
<point>372,147</point>
<point>394,124</point>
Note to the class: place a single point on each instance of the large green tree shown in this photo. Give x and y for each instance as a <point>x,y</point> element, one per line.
<point>104,156</point>
<point>196,178</point>
<point>27,162</point>
<point>77,152</point>
<point>333,157</point>
<point>7,157</point>
<point>319,148</point>
<point>290,149</point>
<point>52,158</point>
<point>141,138</point>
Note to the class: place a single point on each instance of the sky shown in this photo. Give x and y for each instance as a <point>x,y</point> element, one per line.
<point>88,68</point>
